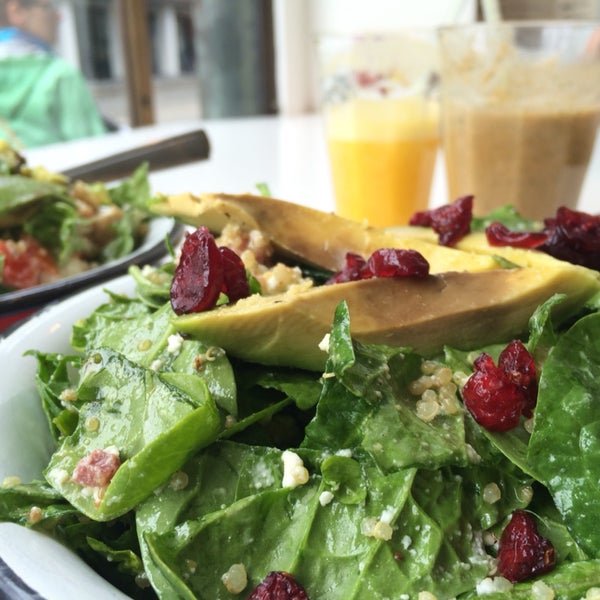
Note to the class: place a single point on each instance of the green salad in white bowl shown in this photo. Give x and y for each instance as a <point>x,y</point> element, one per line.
<point>177,466</point>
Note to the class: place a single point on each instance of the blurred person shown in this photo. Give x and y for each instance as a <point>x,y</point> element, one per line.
<point>43,99</point>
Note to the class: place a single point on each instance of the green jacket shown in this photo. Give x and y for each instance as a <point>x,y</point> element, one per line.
<point>43,100</point>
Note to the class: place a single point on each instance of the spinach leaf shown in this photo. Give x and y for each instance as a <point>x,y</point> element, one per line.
<point>146,337</point>
<point>16,502</point>
<point>331,546</point>
<point>564,446</point>
<point>54,225</point>
<point>21,197</point>
<point>570,581</point>
<point>154,426</point>
<point>365,404</point>
<point>132,195</point>
<point>112,551</point>
<point>54,384</point>
<point>508,216</point>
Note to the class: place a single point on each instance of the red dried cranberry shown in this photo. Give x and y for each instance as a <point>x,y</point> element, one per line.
<point>574,236</point>
<point>571,235</point>
<point>494,401</point>
<point>518,365</point>
<point>394,262</point>
<point>385,262</point>
<point>235,284</point>
<point>523,553</point>
<point>354,269</point>
<point>451,222</point>
<point>497,396</point>
<point>484,362</point>
<point>278,585</point>
<point>198,277</point>
<point>499,235</point>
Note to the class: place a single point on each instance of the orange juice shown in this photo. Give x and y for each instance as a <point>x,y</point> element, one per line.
<point>382,154</point>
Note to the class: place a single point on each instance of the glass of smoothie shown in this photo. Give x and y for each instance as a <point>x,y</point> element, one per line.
<point>380,110</point>
<point>520,104</point>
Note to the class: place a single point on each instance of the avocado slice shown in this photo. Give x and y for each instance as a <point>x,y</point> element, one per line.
<point>463,310</point>
<point>311,236</point>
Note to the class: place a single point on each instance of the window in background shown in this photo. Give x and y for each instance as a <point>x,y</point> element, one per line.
<point>209,58</point>
<point>173,79</point>
<point>98,25</point>
<point>186,33</point>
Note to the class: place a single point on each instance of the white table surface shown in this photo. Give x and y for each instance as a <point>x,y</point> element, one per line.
<point>287,153</point>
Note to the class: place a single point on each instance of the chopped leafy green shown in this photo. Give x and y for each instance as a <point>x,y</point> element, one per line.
<point>508,216</point>
<point>391,503</point>
<point>565,442</point>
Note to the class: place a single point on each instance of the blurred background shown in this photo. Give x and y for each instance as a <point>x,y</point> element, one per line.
<point>155,61</point>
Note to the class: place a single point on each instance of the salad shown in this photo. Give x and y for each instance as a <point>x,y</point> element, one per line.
<point>181,470</point>
<point>52,228</point>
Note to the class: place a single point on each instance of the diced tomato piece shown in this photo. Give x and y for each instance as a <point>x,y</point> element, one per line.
<point>26,263</point>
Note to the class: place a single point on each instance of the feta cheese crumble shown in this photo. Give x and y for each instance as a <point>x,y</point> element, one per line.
<point>325,498</point>
<point>294,471</point>
<point>174,343</point>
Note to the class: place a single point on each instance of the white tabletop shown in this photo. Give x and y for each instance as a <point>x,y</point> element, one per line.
<point>287,153</point>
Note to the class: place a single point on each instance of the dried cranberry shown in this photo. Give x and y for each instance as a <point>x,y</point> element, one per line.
<point>499,235</point>
<point>495,402</point>
<point>354,269</point>
<point>385,262</point>
<point>571,235</point>
<point>497,396</point>
<point>518,365</point>
<point>394,262</point>
<point>574,236</point>
<point>451,222</point>
<point>235,284</point>
<point>523,553</point>
<point>198,277</point>
<point>278,585</point>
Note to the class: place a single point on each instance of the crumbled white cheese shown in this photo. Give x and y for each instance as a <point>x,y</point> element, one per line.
<point>387,515</point>
<point>61,476</point>
<point>346,452</point>
<point>174,343</point>
<point>112,450</point>
<point>324,343</point>
<point>541,591</point>
<point>490,585</point>
<point>156,365</point>
<point>294,471</point>
<point>325,498</point>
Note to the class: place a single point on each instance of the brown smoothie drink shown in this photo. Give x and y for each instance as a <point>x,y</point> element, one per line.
<point>520,113</point>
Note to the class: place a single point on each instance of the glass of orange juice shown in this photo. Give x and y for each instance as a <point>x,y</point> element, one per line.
<point>380,110</point>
